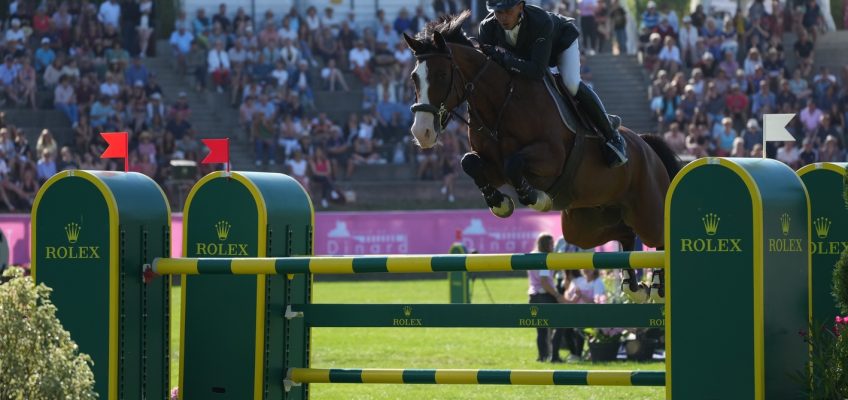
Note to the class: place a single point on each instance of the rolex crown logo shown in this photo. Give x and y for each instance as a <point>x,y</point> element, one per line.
<point>72,231</point>
<point>222,228</point>
<point>407,311</point>
<point>822,226</point>
<point>711,221</point>
<point>534,311</point>
<point>784,223</point>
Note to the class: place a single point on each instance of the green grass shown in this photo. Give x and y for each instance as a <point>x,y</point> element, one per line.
<point>437,348</point>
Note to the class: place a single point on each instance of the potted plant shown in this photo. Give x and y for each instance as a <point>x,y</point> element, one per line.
<point>603,343</point>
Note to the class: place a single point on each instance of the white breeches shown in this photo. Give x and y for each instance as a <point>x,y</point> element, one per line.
<point>569,67</point>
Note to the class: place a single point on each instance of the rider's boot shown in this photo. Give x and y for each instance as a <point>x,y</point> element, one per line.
<point>614,148</point>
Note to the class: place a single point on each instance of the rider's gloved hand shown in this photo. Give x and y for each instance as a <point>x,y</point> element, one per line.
<point>498,54</point>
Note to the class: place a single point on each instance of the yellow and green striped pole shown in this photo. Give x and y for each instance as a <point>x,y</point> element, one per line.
<point>410,263</point>
<point>476,377</point>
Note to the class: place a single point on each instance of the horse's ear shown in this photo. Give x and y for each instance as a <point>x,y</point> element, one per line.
<point>413,44</point>
<point>439,40</point>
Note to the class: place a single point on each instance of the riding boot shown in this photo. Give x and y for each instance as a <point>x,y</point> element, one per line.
<point>614,149</point>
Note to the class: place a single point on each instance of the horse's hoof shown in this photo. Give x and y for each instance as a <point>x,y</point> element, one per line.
<point>505,209</point>
<point>641,294</point>
<point>543,202</point>
<point>657,291</point>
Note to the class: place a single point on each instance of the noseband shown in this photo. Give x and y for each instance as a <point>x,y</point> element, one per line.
<point>441,113</point>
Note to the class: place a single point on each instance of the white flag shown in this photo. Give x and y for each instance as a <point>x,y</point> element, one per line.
<point>774,127</point>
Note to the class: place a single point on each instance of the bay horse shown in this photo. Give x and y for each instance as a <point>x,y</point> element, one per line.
<point>518,138</point>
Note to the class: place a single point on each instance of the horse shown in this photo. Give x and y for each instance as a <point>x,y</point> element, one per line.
<point>517,138</point>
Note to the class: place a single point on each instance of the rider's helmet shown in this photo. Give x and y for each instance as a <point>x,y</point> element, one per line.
<point>500,5</point>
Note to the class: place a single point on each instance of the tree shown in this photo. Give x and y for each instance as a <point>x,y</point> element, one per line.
<point>38,359</point>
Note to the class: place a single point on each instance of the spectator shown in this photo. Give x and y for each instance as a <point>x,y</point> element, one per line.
<point>25,84</point>
<point>298,168</point>
<point>737,103</point>
<point>262,133</point>
<point>688,39</point>
<point>332,75</point>
<point>360,59</point>
<point>810,117</point>
<point>219,66</point>
<point>44,56</point>
<point>100,112</point>
<point>221,18</point>
<point>724,135</point>
<point>650,18</point>
<point>65,100</point>
<point>201,24</point>
<point>752,135</point>
<point>110,13</point>
<point>178,126</point>
<point>321,169</point>
<point>542,290</point>
<point>752,62</point>
<point>804,52</point>
<point>180,41</point>
<point>807,155</point>
<point>136,72</point>
<point>46,166</point>
<point>67,161</point>
<point>675,138</point>
<point>670,55</point>
<point>738,148</point>
<point>331,21</point>
<point>763,99</point>
<point>144,29</point>
<point>789,154</point>
<point>812,19</point>
<point>831,151</point>
<point>196,65</point>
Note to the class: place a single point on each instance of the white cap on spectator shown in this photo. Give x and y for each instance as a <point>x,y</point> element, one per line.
<point>139,84</point>
<point>687,19</point>
<point>652,4</point>
<point>45,41</point>
<point>16,22</point>
<point>753,124</point>
<point>156,96</point>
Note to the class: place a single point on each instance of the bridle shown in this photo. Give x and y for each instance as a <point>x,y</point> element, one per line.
<point>441,113</point>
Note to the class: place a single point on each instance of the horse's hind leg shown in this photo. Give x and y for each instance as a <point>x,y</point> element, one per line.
<point>482,172</point>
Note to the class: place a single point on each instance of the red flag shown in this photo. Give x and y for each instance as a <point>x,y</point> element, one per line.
<point>118,147</point>
<point>219,151</point>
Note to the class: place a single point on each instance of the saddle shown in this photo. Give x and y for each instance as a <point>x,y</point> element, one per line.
<point>561,192</point>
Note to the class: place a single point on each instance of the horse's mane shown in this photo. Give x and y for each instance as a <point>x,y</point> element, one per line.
<point>449,26</point>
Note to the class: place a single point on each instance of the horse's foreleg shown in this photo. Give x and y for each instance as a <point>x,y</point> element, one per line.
<point>515,167</point>
<point>474,166</point>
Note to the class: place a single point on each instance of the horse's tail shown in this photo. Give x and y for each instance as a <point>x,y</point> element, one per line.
<point>664,152</point>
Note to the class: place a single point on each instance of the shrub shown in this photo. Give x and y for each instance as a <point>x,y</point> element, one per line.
<point>38,359</point>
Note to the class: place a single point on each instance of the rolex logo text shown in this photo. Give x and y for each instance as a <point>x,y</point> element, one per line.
<point>533,321</point>
<point>222,232</point>
<point>407,321</point>
<point>786,245</point>
<point>711,244</point>
<point>821,225</point>
<point>72,251</point>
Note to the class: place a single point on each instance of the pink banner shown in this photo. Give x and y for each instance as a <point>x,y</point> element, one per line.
<point>363,233</point>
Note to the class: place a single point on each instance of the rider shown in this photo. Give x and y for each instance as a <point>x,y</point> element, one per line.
<point>526,40</point>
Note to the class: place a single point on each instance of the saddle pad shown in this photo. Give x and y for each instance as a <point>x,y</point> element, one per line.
<point>566,111</point>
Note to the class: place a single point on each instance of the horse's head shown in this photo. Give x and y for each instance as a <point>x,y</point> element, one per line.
<point>435,77</point>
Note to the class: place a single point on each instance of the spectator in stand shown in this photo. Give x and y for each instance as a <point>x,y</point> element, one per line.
<point>831,151</point>
<point>180,41</point>
<point>752,135</point>
<point>764,98</point>
<point>804,51</point>
<point>774,65</point>
<point>46,166</point>
<point>675,138</point>
<point>651,52</point>
<point>752,62</point>
<point>588,25</point>
<point>812,20</point>
<point>789,154</point>
<point>650,18</point>
<point>201,24</point>
<point>738,148</point>
<point>724,136</point>
<point>670,55</point>
<point>44,56</point>
<point>221,18</point>
<point>688,39</point>
<point>136,72</point>
<point>321,169</point>
<point>360,60</point>
<point>100,112</point>
<point>65,100</point>
<point>218,62</point>
<point>262,133</point>
<point>332,75</point>
<point>737,103</point>
<point>713,37</point>
<point>144,29</point>
<point>810,118</point>
<point>298,168</point>
<point>331,21</point>
<point>110,13</point>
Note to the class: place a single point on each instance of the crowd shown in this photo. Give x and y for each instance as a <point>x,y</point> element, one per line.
<point>714,76</point>
<point>86,61</point>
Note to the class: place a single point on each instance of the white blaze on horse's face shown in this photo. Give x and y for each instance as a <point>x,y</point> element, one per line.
<point>423,126</point>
